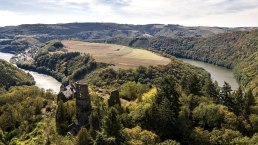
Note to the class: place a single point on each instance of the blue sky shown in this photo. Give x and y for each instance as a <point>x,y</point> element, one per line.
<point>229,13</point>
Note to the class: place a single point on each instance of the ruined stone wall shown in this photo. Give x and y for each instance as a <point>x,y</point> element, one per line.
<point>83,103</point>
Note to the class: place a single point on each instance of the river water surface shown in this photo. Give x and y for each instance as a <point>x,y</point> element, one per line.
<point>220,74</point>
<point>42,81</point>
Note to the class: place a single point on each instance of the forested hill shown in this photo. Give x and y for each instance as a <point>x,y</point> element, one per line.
<point>87,31</point>
<point>221,49</point>
<point>64,66</point>
<point>12,76</point>
<point>236,50</point>
<point>159,105</point>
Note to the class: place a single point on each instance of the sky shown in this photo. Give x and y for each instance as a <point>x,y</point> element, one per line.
<point>226,13</point>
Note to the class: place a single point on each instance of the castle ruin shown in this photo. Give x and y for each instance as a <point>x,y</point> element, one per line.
<point>83,106</point>
<point>83,103</point>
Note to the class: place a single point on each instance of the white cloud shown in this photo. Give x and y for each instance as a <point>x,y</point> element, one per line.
<point>185,12</point>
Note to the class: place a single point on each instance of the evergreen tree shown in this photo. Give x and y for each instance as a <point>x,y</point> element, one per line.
<point>184,84</point>
<point>191,84</point>
<point>249,100</point>
<point>169,142</point>
<point>102,139</point>
<point>194,85</point>
<point>95,122</point>
<point>163,114</point>
<point>168,90</point>
<point>212,90</point>
<point>83,137</point>
<point>112,125</point>
<point>238,101</point>
<point>37,109</point>
<point>61,123</point>
<point>225,96</point>
<point>2,138</point>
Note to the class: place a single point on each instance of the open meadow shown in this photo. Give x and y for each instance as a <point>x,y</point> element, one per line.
<point>120,56</point>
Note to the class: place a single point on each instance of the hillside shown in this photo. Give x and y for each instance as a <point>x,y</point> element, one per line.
<point>18,44</point>
<point>116,55</point>
<point>12,76</point>
<point>15,39</point>
<point>162,104</point>
<point>94,31</point>
<point>230,50</point>
<point>64,66</point>
<point>26,115</point>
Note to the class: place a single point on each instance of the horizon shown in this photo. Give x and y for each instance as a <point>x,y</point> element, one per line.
<point>128,24</point>
<point>211,13</point>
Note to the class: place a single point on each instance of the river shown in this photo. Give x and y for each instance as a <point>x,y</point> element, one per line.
<point>42,81</point>
<point>220,74</point>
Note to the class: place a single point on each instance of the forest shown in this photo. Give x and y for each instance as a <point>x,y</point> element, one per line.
<point>63,66</point>
<point>157,105</point>
<point>234,50</point>
<point>173,104</point>
<point>12,76</point>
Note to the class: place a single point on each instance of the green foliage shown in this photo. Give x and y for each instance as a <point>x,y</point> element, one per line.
<point>102,139</point>
<point>83,137</point>
<point>223,136</point>
<point>254,121</point>
<point>191,85</point>
<point>131,90</point>
<point>63,66</point>
<point>246,71</point>
<point>12,76</point>
<point>97,114</point>
<point>216,136</point>
<point>225,95</point>
<point>112,125</point>
<point>111,79</point>
<point>250,100</point>
<point>212,90</point>
<point>61,122</point>
<point>211,115</point>
<point>237,50</point>
<point>2,138</point>
<point>53,46</point>
<point>95,122</point>
<point>65,116</point>
<point>163,114</point>
<point>139,108</point>
<point>246,140</point>
<point>169,142</point>
<point>21,111</point>
<point>183,106</point>
<point>137,135</point>
<point>239,102</point>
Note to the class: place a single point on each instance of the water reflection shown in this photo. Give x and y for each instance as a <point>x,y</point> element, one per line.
<point>220,74</point>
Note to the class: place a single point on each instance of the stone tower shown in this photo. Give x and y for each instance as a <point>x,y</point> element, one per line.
<point>114,99</point>
<point>83,103</point>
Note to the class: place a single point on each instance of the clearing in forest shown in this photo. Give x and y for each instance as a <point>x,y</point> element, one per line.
<point>118,55</point>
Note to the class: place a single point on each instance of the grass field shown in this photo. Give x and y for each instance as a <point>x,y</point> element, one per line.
<point>121,56</point>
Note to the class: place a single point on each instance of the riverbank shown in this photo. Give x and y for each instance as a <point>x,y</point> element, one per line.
<point>42,81</point>
<point>218,73</point>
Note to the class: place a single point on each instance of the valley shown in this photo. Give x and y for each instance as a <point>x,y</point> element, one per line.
<point>42,81</point>
<point>121,82</point>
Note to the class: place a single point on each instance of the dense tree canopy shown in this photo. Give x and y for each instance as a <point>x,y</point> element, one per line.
<point>12,76</point>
